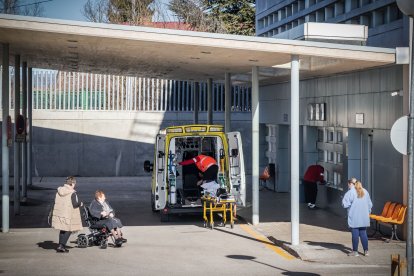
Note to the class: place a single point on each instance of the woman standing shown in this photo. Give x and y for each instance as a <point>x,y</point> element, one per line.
<point>358,204</point>
<point>66,215</point>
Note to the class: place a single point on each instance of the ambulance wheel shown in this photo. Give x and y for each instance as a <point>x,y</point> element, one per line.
<point>164,217</point>
<point>82,241</point>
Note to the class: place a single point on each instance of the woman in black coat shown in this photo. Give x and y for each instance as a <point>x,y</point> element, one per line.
<point>101,210</point>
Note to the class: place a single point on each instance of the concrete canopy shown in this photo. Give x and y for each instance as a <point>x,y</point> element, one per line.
<point>172,54</point>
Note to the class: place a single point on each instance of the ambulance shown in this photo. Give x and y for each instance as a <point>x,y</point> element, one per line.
<point>174,187</point>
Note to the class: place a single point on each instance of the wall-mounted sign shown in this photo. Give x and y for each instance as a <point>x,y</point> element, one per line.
<point>359,118</point>
<point>317,111</point>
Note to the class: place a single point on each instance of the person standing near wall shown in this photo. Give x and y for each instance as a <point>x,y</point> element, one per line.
<point>358,204</point>
<point>313,175</point>
<point>66,214</point>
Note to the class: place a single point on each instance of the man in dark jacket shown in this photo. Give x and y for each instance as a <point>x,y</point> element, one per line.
<point>314,174</point>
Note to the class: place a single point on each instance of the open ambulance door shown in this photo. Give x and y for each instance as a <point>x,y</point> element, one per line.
<point>160,172</point>
<point>237,173</point>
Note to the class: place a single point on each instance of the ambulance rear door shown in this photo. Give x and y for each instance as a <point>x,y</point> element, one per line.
<point>236,167</point>
<point>160,173</point>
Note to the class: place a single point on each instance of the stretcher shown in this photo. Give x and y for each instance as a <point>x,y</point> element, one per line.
<point>213,205</point>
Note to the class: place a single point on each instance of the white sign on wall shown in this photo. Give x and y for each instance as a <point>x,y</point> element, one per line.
<point>359,118</point>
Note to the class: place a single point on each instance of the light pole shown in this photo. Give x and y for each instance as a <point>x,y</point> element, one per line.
<point>407,7</point>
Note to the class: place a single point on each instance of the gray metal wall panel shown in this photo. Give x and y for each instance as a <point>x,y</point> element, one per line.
<point>369,81</point>
<point>391,78</point>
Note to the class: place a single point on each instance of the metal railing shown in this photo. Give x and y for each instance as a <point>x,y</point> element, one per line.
<point>59,90</point>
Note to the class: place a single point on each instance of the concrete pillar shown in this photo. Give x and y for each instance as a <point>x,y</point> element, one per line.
<point>17,157</point>
<point>30,128</point>
<point>196,101</point>
<point>4,147</point>
<point>210,101</point>
<point>294,149</point>
<point>227,102</point>
<point>24,144</point>
<point>255,145</point>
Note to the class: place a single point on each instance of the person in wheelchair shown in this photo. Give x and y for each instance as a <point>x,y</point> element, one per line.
<point>100,209</point>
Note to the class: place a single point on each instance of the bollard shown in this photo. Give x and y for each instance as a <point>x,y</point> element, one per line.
<point>398,265</point>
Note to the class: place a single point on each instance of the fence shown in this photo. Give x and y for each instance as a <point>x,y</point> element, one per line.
<point>59,90</point>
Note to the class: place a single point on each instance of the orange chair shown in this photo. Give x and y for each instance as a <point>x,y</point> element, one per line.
<point>398,218</point>
<point>386,213</point>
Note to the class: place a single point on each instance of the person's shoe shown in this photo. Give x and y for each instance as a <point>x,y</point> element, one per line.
<point>353,254</point>
<point>61,249</point>
<point>124,240</point>
<point>366,253</point>
<point>118,242</point>
<point>311,206</point>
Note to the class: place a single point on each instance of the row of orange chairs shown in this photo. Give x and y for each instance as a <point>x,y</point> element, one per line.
<point>392,214</point>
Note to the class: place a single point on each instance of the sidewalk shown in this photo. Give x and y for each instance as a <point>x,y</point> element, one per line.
<point>324,237</point>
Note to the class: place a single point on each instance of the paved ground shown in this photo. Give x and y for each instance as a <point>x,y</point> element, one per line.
<point>324,236</point>
<point>181,246</point>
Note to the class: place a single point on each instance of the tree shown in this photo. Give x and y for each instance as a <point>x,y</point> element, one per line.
<point>132,12</point>
<point>22,8</point>
<point>193,12</point>
<point>221,16</point>
<point>238,16</point>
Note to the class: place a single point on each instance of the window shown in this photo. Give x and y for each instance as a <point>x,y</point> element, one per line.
<point>331,156</point>
<point>339,137</point>
<point>320,135</point>
<point>329,136</point>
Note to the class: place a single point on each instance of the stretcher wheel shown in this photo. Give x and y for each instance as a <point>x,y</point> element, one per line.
<point>212,225</point>
<point>205,224</point>
<point>82,241</point>
<point>104,244</point>
<point>232,225</point>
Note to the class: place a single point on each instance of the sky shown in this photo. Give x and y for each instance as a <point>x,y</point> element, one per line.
<point>65,9</point>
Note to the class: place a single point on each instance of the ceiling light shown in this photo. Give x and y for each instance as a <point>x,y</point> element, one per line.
<point>254,60</point>
<point>72,41</point>
<point>206,52</point>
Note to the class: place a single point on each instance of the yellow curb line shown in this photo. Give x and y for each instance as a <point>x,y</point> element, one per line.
<point>262,238</point>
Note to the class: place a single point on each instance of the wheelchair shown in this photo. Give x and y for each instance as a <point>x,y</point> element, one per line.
<point>99,235</point>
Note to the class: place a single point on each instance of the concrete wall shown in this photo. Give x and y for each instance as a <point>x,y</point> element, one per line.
<point>345,95</point>
<point>109,143</point>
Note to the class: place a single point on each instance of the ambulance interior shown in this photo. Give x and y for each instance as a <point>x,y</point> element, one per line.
<point>185,148</point>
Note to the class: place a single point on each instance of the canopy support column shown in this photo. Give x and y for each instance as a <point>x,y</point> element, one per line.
<point>24,144</point>
<point>209,101</point>
<point>196,101</point>
<point>30,128</point>
<point>17,156</point>
<point>255,145</point>
<point>294,149</point>
<point>227,102</point>
<point>4,137</point>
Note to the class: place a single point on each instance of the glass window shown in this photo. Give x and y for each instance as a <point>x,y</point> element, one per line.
<point>320,135</point>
